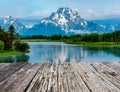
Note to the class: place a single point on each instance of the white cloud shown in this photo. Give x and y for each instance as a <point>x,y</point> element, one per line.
<point>91,14</point>
<point>36,13</point>
<point>76,9</point>
<point>40,13</point>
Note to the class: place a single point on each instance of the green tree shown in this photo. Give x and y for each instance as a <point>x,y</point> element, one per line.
<point>116,36</point>
<point>4,36</point>
<point>11,36</point>
<point>107,37</point>
<point>21,46</point>
<point>85,38</point>
<point>1,45</point>
<point>17,36</point>
<point>94,37</point>
<point>55,37</point>
<point>75,38</point>
<point>7,37</point>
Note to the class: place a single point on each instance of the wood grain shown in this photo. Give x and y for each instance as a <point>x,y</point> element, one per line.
<point>65,77</point>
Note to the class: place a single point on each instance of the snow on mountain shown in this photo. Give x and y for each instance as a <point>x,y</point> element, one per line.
<point>9,20</point>
<point>64,21</point>
<point>110,25</point>
<point>65,18</point>
<point>68,21</point>
<point>29,26</point>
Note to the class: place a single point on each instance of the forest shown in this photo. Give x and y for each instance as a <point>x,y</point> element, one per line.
<point>9,41</point>
<point>94,37</point>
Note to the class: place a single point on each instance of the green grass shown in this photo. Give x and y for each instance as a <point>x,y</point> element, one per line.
<point>96,43</point>
<point>36,40</point>
<point>9,53</point>
<point>40,40</point>
<point>79,43</point>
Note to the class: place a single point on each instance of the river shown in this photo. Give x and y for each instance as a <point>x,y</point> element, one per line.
<point>60,52</point>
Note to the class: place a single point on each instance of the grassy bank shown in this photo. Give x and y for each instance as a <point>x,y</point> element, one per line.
<point>9,53</point>
<point>79,43</point>
<point>96,43</point>
<point>40,40</point>
<point>36,40</point>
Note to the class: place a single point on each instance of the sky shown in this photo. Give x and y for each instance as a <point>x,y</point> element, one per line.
<point>88,9</point>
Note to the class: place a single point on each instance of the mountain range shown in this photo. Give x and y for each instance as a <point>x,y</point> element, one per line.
<point>9,20</point>
<point>64,21</point>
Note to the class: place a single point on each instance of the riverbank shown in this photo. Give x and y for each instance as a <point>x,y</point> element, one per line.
<point>65,77</point>
<point>95,43</point>
<point>79,43</point>
<point>39,40</point>
<point>9,53</point>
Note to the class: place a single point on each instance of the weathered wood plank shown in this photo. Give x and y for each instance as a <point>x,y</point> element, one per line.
<point>82,86</point>
<point>108,73</point>
<point>95,81</point>
<point>57,78</point>
<point>19,80</point>
<point>65,77</point>
<point>2,65</point>
<point>9,69</point>
<point>113,65</point>
<point>37,82</point>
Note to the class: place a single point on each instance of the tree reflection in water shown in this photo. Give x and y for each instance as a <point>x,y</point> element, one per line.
<point>13,59</point>
<point>115,50</point>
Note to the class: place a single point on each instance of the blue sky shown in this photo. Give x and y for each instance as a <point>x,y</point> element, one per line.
<point>88,9</point>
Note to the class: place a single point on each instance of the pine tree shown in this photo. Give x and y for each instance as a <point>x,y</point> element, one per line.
<point>11,33</point>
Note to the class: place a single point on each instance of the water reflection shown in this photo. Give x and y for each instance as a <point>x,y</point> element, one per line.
<point>60,52</point>
<point>55,53</point>
<point>115,50</point>
<point>13,59</point>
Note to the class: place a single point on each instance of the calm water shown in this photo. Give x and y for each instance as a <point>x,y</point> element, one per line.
<point>61,52</point>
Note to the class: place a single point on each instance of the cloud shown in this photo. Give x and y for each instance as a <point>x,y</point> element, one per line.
<point>76,9</point>
<point>91,14</point>
<point>43,13</point>
<point>36,13</point>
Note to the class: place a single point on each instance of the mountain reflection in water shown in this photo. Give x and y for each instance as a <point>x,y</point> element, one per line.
<point>60,52</point>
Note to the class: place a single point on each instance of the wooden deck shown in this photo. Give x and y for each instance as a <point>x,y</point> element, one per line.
<point>66,77</point>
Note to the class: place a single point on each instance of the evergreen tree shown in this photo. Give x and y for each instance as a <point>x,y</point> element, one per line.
<point>11,33</point>
<point>1,45</point>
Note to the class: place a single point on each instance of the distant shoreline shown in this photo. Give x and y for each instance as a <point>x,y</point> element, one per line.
<point>78,43</point>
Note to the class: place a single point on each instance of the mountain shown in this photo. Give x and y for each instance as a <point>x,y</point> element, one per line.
<point>110,25</point>
<point>29,21</point>
<point>9,20</point>
<point>108,21</point>
<point>65,21</point>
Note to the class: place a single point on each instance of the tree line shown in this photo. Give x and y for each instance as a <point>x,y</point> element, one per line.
<point>10,41</point>
<point>94,37</point>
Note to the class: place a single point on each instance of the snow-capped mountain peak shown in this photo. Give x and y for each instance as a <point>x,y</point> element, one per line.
<point>65,18</point>
<point>65,15</point>
<point>68,19</point>
<point>9,20</point>
<point>64,21</point>
<point>8,17</point>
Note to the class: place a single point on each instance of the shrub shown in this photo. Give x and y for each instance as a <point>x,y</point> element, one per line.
<point>21,46</point>
<point>1,45</point>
